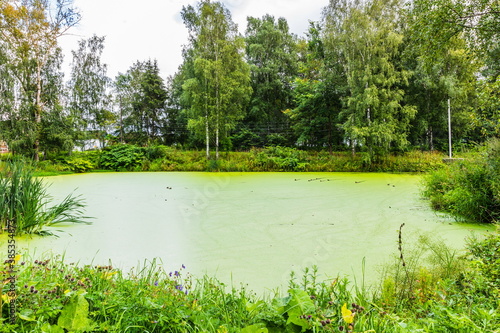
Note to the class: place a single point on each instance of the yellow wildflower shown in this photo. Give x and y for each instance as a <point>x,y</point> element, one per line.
<point>347,314</point>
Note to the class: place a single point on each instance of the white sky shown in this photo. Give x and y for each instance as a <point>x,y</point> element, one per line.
<point>153,29</point>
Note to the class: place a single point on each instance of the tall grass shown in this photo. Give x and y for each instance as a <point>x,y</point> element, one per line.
<point>24,201</point>
<point>270,159</point>
<point>441,292</point>
<point>469,189</point>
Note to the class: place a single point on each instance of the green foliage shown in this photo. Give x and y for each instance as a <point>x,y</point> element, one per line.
<point>272,56</point>
<point>281,158</point>
<point>488,119</point>
<point>366,38</point>
<point>142,95</point>
<point>419,273</point>
<point>80,162</point>
<point>246,139</point>
<point>24,201</point>
<point>163,158</point>
<point>74,315</point>
<point>90,101</point>
<point>122,157</point>
<point>436,291</point>
<point>468,189</point>
<point>485,257</point>
<point>298,307</point>
<point>79,165</point>
<point>217,86</point>
<point>31,64</point>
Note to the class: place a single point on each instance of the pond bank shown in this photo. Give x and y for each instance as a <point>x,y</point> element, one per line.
<point>272,159</point>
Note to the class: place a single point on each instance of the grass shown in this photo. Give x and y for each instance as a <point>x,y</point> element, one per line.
<point>271,159</point>
<point>24,202</point>
<point>436,291</point>
<point>468,189</point>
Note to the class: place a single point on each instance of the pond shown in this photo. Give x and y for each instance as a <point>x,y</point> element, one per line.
<point>246,228</point>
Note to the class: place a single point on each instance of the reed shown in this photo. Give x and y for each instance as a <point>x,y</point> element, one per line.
<point>24,201</point>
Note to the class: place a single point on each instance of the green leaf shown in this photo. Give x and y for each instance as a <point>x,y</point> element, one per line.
<point>300,304</point>
<point>27,314</point>
<point>47,328</point>
<point>74,316</point>
<point>257,328</point>
<point>279,304</point>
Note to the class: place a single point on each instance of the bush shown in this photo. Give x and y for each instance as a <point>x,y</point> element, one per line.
<point>155,152</point>
<point>281,158</point>
<point>122,157</point>
<point>485,257</point>
<point>79,165</point>
<point>468,189</point>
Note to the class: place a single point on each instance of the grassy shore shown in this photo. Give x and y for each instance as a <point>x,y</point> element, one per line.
<point>430,289</point>
<point>272,159</point>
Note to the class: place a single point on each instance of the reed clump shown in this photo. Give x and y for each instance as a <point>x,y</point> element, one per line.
<point>25,203</point>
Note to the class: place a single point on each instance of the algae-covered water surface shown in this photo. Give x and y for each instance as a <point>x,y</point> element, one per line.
<point>249,228</point>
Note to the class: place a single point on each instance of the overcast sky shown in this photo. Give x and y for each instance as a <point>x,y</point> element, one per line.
<point>153,29</point>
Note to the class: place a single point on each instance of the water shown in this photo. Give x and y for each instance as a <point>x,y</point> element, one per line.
<point>246,228</point>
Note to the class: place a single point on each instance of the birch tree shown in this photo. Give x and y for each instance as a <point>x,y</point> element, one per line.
<point>368,40</point>
<point>29,30</point>
<point>219,86</point>
<point>90,101</point>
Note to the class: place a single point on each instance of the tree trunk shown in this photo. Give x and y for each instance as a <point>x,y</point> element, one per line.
<point>217,138</point>
<point>449,128</point>
<point>207,136</point>
<point>38,112</point>
<point>207,129</point>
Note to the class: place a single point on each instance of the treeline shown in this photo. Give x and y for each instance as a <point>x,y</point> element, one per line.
<point>377,76</point>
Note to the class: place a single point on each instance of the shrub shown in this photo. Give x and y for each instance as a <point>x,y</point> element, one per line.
<point>281,158</point>
<point>122,157</point>
<point>485,257</point>
<point>79,165</point>
<point>469,189</point>
<point>155,152</point>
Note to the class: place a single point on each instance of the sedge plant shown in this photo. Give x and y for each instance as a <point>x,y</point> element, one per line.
<point>24,202</point>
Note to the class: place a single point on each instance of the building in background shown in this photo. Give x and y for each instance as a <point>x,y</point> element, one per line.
<point>3,147</point>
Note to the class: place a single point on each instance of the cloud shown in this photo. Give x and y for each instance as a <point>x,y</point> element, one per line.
<point>153,29</point>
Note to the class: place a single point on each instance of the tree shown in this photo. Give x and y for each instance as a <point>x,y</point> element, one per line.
<point>29,31</point>
<point>368,40</point>
<point>317,94</point>
<point>440,20</point>
<point>272,54</point>
<point>444,79</point>
<point>218,86</point>
<point>141,95</point>
<point>174,124</point>
<point>90,101</point>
